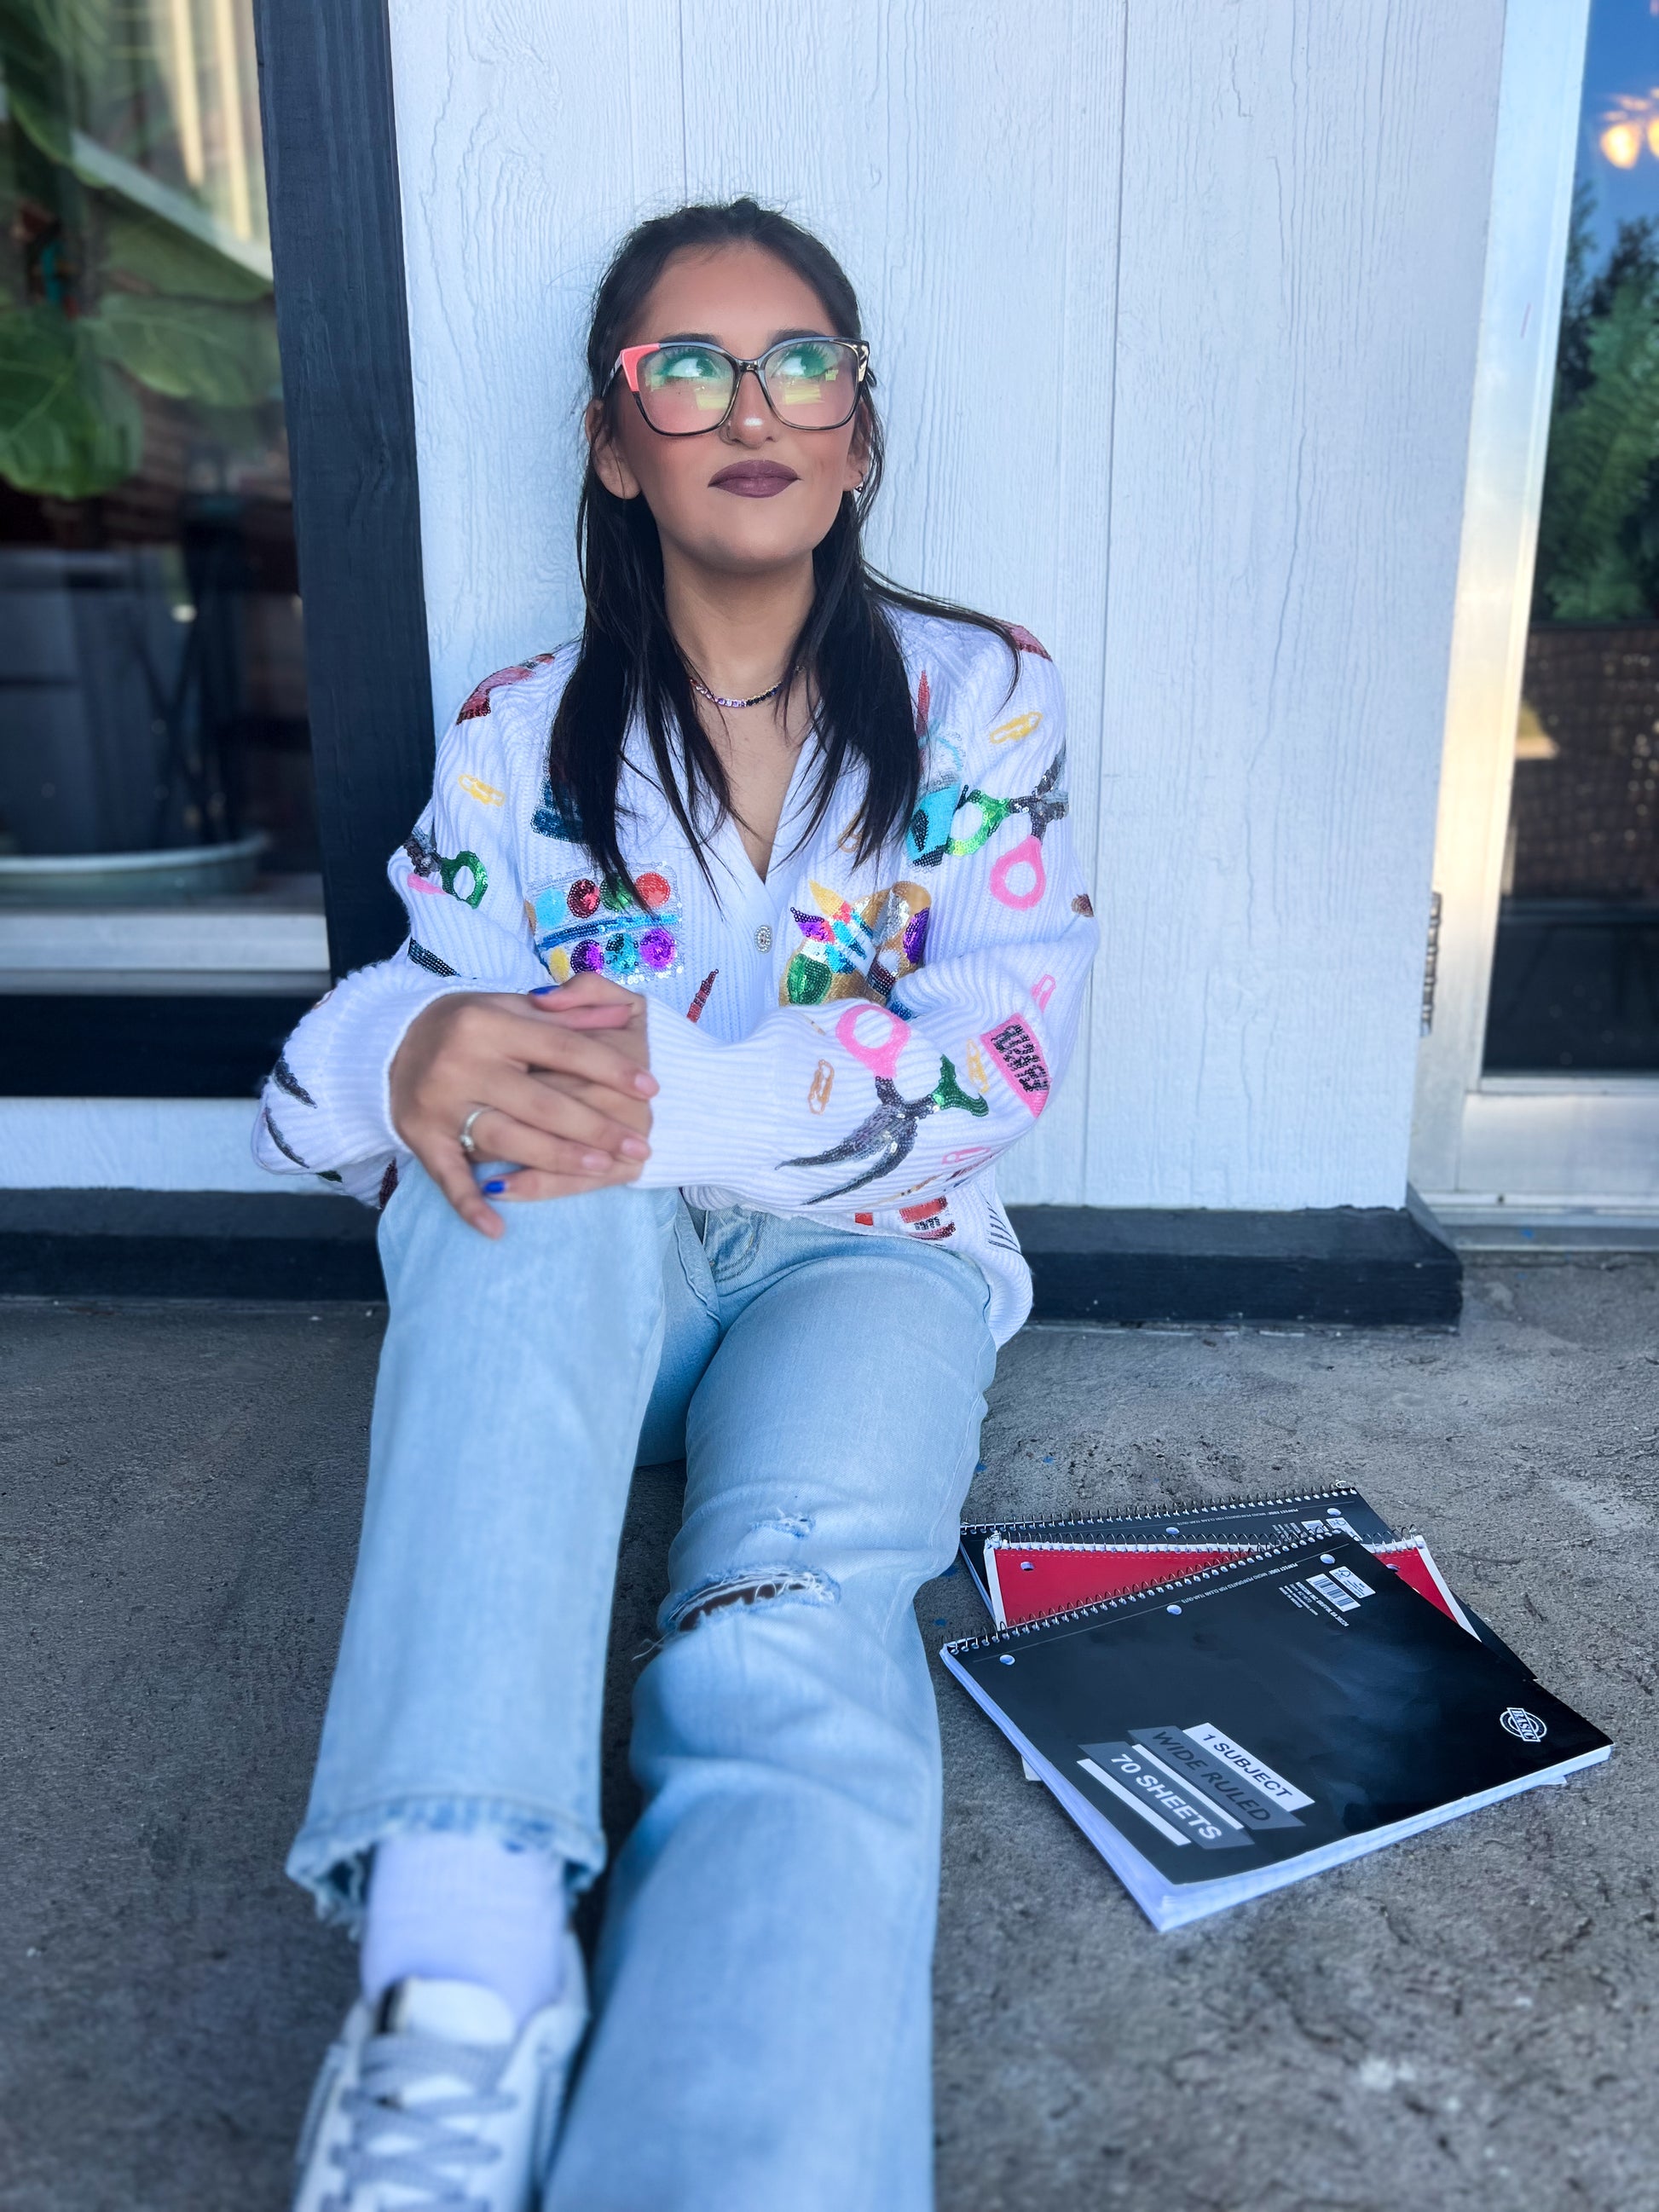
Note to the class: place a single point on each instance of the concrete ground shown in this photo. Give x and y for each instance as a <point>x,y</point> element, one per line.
<point>1465,2021</point>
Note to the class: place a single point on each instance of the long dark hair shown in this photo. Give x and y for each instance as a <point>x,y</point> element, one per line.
<point>628,661</point>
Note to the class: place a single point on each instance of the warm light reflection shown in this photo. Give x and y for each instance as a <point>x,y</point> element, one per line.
<point>204,50</point>
<point>180,48</point>
<point>1621,143</point>
<point>1533,742</point>
<point>1629,123</point>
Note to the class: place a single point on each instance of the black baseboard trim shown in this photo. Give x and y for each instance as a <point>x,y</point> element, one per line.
<point>1358,1266</point>
<point>1361,1266</point>
<point>186,1244</point>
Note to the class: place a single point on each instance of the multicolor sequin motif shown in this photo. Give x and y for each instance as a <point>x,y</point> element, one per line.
<point>476,702</point>
<point>887,1135</point>
<point>584,924</point>
<point>928,1221</point>
<point>954,819</point>
<point>859,951</point>
<point>464,877</point>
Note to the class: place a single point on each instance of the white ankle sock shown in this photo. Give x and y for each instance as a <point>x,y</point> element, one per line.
<point>466,1908</point>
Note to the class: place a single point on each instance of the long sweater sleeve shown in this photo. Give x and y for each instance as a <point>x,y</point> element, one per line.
<point>853,1104</point>
<point>326,1108</point>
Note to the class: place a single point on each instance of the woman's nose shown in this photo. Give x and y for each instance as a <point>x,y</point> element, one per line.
<point>748,422</point>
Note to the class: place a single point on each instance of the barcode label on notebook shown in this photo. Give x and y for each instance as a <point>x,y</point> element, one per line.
<point>1335,1593</point>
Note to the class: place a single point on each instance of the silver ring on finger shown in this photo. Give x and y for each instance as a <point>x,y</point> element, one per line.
<point>466,1140</point>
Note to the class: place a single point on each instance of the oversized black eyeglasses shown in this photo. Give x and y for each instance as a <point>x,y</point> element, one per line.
<point>684,387</point>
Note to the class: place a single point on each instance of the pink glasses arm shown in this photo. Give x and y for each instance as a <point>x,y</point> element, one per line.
<point>628,361</point>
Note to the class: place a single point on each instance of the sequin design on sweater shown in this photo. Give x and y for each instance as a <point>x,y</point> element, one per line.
<point>586,925</point>
<point>280,1142</point>
<point>1013,1046</point>
<point>476,702</point>
<point>555,816</point>
<point>953,820</point>
<point>887,1135</point>
<point>928,1221</point>
<point>861,951</point>
<point>464,877</point>
<point>285,1080</point>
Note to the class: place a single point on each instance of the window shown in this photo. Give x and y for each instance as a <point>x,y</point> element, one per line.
<point>1576,975</point>
<point>160,911</point>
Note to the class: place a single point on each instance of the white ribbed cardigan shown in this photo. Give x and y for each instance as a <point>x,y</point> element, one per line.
<point>857,1043</point>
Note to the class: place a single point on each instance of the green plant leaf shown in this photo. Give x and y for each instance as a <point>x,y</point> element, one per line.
<point>37,74</point>
<point>191,349</point>
<point>79,31</point>
<point>1609,591</point>
<point>1602,447</point>
<point>166,259</point>
<point>69,430</point>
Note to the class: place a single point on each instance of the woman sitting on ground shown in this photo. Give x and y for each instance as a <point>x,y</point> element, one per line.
<point>743,936</point>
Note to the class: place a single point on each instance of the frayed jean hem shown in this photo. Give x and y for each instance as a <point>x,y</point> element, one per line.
<point>331,1858</point>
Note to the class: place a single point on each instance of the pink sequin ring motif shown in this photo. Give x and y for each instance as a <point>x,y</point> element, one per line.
<point>589,925</point>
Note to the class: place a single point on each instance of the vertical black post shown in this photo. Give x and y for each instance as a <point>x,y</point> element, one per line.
<point>331,153</point>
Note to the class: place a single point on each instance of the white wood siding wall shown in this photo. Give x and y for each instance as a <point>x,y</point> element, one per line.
<point>1229,253</point>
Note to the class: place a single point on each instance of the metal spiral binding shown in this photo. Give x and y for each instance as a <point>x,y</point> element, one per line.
<point>998,1540</point>
<point>1225,1505</point>
<point>1129,1597</point>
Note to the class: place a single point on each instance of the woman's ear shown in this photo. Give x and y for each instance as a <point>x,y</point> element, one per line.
<point>858,454</point>
<point>609,462</point>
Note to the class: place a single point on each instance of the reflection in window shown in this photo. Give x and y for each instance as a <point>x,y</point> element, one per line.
<point>1576,977</point>
<point>153,734</point>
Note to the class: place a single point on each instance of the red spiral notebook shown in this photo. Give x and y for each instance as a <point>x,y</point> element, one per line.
<point>1028,1581</point>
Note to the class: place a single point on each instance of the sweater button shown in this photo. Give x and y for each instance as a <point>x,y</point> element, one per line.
<point>763,937</point>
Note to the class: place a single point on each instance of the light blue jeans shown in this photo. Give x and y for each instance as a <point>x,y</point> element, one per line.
<point>763,2030</point>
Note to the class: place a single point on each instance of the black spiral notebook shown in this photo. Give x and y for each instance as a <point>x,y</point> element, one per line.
<point>1240,1730</point>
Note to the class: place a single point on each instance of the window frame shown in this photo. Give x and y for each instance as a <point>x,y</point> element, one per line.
<point>1490,1147</point>
<point>330,156</point>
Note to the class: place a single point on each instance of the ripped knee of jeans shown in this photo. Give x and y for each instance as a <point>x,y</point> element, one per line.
<point>762,1586</point>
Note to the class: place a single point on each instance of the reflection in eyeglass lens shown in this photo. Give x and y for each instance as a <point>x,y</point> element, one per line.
<point>805,382</point>
<point>810,382</point>
<point>679,383</point>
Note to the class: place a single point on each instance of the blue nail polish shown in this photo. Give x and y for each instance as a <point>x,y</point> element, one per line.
<point>492,1189</point>
<point>543,990</point>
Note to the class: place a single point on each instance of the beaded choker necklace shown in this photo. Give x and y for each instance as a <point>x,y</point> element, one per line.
<point>714,699</point>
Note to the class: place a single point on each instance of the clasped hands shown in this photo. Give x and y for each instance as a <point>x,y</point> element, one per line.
<point>559,1083</point>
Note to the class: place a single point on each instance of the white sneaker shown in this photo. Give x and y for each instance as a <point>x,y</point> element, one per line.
<point>426,2101</point>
